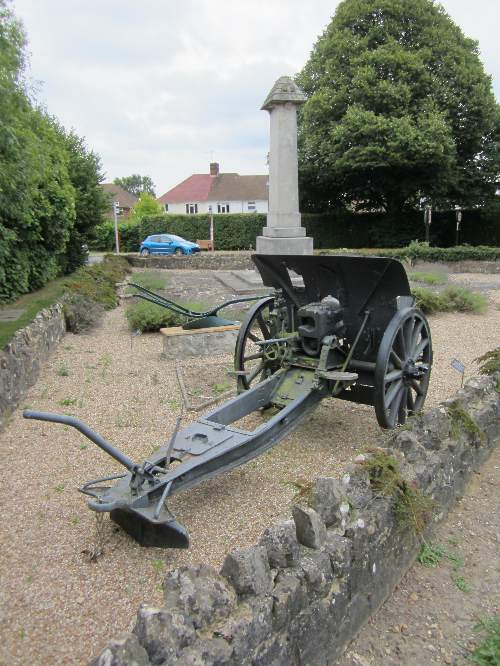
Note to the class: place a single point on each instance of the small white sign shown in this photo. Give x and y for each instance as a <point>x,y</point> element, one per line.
<point>458,366</point>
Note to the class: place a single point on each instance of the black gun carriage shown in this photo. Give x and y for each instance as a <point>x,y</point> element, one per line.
<point>332,326</point>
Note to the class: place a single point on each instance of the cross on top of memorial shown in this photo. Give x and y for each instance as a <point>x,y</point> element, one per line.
<point>284,90</point>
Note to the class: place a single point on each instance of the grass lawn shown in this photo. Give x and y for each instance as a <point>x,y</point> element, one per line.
<point>31,304</point>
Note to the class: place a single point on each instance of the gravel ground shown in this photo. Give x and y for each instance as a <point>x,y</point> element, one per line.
<point>59,607</point>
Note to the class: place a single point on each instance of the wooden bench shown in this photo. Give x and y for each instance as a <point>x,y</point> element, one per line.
<point>205,244</point>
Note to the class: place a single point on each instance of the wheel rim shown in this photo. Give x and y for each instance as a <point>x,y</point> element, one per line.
<point>249,357</point>
<point>403,368</point>
<point>178,251</point>
<point>145,252</point>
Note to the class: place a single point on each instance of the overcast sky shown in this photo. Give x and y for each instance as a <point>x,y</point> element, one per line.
<point>162,87</point>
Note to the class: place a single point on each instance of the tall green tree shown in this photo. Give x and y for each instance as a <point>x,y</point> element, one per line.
<point>91,204</point>
<point>136,184</point>
<point>399,107</point>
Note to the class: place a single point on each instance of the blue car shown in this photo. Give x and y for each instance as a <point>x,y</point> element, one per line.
<point>167,244</point>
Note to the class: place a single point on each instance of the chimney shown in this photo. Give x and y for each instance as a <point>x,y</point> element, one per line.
<point>214,168</point>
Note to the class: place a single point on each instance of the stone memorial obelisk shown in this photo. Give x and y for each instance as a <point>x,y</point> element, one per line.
<point>283,233</point>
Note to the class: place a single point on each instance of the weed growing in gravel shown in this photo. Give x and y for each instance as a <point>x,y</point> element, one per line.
<point>428,278</point>
<point>75,520</point>
<point>303,489</point>
<point>67,402</point>
<point>221,388</point>
<point>461,421</point>
<point>432,554</point>
<point>63,370</point>
<point>59,488</point>
<point>105,361</point>
<point>489,362</point>
<point>488,652</point>
<point>461,584</point>
<point>158,565</point>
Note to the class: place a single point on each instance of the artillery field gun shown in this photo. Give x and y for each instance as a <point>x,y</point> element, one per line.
<point>341,326</point>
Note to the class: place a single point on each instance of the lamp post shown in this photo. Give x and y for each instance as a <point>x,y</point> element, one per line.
<point>116,207</point>
<point>458,213</point>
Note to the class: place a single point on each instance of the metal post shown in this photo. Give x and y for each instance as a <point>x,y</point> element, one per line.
<point>458,213</point>
<point>427,222</point>
<point>116,205</point>
<point>211,228</point>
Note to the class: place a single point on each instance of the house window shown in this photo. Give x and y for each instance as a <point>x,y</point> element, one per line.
<point>191,208</point>
<point>223,208</point>
<point>166,208</point>
<point>251,205</point>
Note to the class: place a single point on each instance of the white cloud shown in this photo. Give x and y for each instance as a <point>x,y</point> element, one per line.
<point>160,87</point>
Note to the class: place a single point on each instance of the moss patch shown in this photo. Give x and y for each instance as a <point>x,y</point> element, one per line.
<point>489,362</point>
<point>411,507</point>
<point>462,422</point>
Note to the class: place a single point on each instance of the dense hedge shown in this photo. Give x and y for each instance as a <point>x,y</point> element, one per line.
<point>420,251</point>
<point>329,230</point>
<point>50,197</point>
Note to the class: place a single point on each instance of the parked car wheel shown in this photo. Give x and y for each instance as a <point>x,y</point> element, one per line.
<point>144,252</point>
<point>178,251</point>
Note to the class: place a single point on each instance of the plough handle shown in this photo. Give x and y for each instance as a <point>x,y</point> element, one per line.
<point>85,430</point>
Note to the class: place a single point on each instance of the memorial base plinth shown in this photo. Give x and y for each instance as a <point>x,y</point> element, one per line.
<point>266,245</point>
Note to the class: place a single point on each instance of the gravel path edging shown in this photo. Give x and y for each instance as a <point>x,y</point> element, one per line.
<point>305,590</point>
<point>21,359</point>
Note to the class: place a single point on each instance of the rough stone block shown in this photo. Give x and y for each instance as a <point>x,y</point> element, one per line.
<point>357,486</point>
<point>213,652</point>
<point>163,633</point>
<point>339,550</point>
<point>200,592</point>
<point>311,530</point>
<point>408,443</point>
<point>436,428</point>
<point>274,652</point>
<point>247,569</point>
<point>318,572</point>
<point>280,542</point>
<point>328,496</point>
<point>248,627</point>
<point>123,651</point>
<point>289,597</point>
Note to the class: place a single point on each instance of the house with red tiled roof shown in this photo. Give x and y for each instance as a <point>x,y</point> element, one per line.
<point>217,192</point>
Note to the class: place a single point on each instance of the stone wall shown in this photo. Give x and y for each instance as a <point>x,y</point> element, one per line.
<point>201,261</point>
<point>22,357</point>
<point>301,594</point>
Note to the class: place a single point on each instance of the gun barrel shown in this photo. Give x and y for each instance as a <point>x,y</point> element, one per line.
<point>85,430</point>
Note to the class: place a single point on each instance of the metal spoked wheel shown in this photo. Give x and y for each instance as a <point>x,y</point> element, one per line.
<point>403,368</point>
<point>249,358</point>
<point>144,252</point>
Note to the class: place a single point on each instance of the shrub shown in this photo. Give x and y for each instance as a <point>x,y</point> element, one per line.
<point>426,300</point>
<point>80,313</point>
<point>97,282</point>
<point>459,299</point>
<point>148,317</point>
<point>451,299</point>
